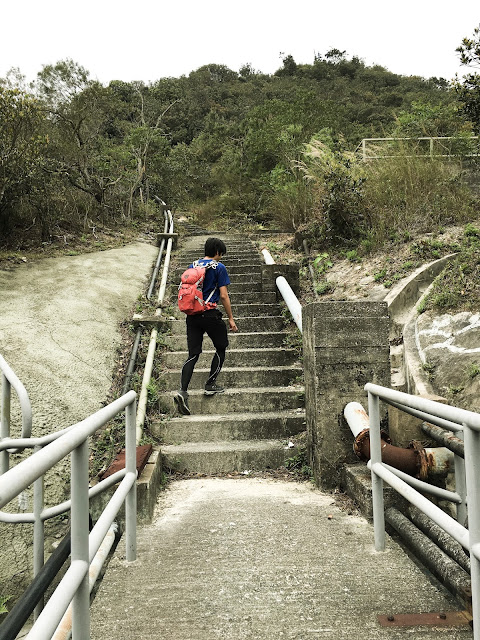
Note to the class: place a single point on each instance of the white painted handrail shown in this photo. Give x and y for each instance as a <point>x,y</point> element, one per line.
<point>287,292</point>
<point>142,401</point>
<point>467,483</point>
<point>84,545</point>
<point>9,380</point>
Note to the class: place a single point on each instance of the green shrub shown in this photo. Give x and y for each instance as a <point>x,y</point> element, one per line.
<point>335,180</point>
<point>458,285</point>
<point>474,370</point>
<point>324,287</point>
<point>352,255</point>
<point>3,604</point>
<point>408,195</point>
<point>472,231</point>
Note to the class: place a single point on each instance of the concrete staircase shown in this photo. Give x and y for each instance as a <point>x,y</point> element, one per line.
<point>247,427</point>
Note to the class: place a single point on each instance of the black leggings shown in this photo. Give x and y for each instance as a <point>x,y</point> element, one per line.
<point>211,323</point>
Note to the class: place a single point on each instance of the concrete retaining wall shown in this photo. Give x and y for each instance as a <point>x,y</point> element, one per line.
<point>345,345</point>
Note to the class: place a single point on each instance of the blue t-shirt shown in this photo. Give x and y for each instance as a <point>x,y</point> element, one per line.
<point>215,277</point>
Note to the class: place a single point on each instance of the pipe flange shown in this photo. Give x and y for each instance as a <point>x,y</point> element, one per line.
<point>419,449</point>
<point>358,444</point>
<point>362,438</point>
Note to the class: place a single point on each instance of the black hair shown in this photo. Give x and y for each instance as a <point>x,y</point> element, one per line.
<point>214,246</point>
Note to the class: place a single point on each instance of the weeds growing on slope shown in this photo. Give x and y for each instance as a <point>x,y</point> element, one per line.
<point>382,200</point>
<point>458,286</point>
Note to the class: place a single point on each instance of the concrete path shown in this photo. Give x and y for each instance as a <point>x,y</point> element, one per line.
<point>244,559</point>
<point>59,327</point>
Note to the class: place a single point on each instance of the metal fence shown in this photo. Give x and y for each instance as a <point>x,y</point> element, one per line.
<point>48,451</point>
<point>424,147</point>
<point>466,425</point>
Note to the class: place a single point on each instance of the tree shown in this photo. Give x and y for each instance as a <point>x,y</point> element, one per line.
<point>78,115</point>
<point>426,119</point>
<point>59,83</point>
<point>21,145</point>
<point>289,67</point>
<point>468,90</point>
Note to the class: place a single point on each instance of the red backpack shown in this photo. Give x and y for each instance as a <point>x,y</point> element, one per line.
<point>190,295</point>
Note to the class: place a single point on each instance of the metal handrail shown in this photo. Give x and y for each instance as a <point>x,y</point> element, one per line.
<point>74,440</point>
<point>142,401</point>
<point>287,292</point>
<point>363,147</point>
<point>9,380</point>
<point>467,478</point>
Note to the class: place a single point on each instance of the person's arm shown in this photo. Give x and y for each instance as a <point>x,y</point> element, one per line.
<point>225,300</point>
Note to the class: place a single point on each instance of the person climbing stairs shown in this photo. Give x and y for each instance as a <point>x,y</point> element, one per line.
<point>248,427</point>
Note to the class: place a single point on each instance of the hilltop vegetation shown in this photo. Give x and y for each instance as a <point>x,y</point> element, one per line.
<point>77,155</point>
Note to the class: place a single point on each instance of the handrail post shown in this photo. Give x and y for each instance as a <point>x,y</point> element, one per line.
<point>5,422</point>
<point>472,457</point>
<point>13,381</point>
<point>460,485</point>
<point>79,533</point>
<point>38,534</point>
<point>377,482</point>
<point>131,467</point>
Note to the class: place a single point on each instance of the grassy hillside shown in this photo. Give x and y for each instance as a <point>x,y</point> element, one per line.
<point>77,155</point>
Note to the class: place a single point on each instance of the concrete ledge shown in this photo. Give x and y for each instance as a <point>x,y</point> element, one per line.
<point>167,236</point>
<point>402,305</point>
<point>149,484</point>
<point>151,321</point>
<point>407,293</point>
<point>403,428</point>
<point>356,481</point>
<point>270,273</point>
<point>148,487</point>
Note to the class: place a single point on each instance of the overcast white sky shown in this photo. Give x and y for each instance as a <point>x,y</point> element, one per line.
<point>150,39</point>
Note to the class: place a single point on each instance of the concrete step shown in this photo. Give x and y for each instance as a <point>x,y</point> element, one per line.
<point>247,258</point>
<point>222,457</point>
<point>235,287</point>
<point>243,400</point>
<point>236,377</point>
<point>246,294</point>
<point>251,297</point>
<point>265,339</point>
<point>240,269</point>
<point>248,325</point>
<point>205,427</point>
<point>243,276</point>
<point>246,310</point>
<point>236,254</point>
<point>262,357</point>
<point>256,309</point>
<point>242,287</point>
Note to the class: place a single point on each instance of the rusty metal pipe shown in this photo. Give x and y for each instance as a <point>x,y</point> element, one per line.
<point>444,437</point>
<point>440,564</point>
<point>414,460</point>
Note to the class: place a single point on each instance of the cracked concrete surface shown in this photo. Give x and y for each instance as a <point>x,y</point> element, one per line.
<point>261,559</point>
<point>59,329</point>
